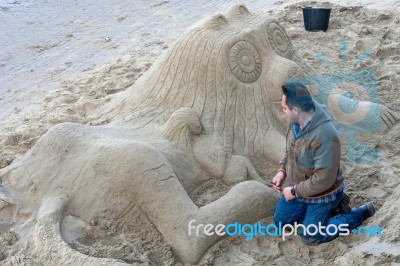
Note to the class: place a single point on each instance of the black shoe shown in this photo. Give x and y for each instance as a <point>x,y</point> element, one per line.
<point>343,206</point>
<point>368,209</point>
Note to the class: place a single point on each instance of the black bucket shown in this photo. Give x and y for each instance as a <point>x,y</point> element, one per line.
<point>316,18</point>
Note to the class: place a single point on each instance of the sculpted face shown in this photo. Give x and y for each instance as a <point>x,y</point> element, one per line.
<point>228,69</point>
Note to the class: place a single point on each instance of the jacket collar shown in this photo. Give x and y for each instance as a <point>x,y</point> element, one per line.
<point>319,117</point>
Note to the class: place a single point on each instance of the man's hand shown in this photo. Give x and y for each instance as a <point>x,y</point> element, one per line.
<point>288,194</point>
<point>278,181</point>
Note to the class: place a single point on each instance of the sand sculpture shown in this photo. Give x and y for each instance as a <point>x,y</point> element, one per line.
<point>209,108</point>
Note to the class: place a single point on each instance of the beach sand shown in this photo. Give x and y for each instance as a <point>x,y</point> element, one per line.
<point>62,61</point>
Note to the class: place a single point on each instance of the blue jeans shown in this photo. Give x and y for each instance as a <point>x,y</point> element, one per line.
<point>289,212</point>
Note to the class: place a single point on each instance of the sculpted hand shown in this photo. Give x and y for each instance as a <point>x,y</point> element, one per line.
<point>278,181</point>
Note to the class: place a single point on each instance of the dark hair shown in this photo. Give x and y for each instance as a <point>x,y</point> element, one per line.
<point>297,95</point>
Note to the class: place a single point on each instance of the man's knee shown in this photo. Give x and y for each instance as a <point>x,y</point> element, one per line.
<point>276,219</point>
<point>282,219</point>
<point>277,216</point>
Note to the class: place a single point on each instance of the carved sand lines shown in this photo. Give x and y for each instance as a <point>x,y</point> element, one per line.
<point>279,40</point>
<point>245,62</point>
<point>153,98</point>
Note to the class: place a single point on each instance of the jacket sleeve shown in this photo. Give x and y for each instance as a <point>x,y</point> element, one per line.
<point>326,157</point>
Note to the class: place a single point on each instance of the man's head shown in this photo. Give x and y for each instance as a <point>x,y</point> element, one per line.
<point>296,99</point>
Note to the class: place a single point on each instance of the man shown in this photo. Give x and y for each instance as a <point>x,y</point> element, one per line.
<point>311,167</point>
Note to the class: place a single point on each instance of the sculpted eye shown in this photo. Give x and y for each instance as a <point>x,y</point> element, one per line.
<point>245,62</point>
<point>279,40</point>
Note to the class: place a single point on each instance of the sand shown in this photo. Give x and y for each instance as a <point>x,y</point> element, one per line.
<point>65,66</point>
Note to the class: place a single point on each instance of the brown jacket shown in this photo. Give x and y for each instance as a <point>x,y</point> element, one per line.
<point>312,161</point>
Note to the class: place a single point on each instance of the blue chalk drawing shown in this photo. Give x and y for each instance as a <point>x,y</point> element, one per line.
<point>367,79</point>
